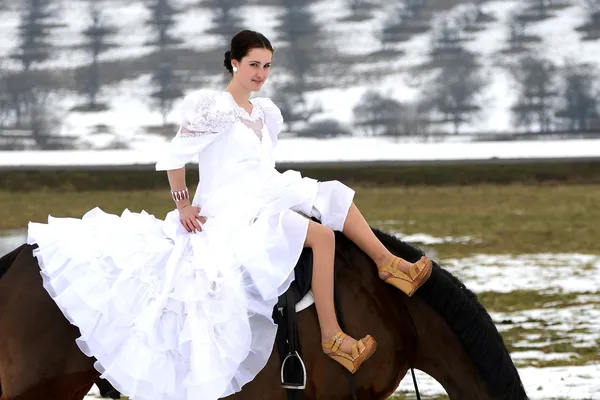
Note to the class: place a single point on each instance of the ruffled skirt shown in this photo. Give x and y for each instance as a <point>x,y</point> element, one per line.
<point>172,315</point>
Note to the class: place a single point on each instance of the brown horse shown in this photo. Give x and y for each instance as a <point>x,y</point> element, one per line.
<point>443,330</point>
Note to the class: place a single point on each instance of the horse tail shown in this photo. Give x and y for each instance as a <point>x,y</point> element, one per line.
<point>7,260</point>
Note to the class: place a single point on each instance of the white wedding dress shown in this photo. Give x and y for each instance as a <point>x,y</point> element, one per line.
<point>172,315</point>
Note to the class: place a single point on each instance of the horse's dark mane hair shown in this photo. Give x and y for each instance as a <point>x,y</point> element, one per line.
<point>469,320</point>
<point>7,260</point>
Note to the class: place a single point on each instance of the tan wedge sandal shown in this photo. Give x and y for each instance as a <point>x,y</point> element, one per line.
<point>419,273</point>
<point>362,350</point>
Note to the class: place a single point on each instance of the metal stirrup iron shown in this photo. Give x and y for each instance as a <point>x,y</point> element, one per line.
<point>293,385</point>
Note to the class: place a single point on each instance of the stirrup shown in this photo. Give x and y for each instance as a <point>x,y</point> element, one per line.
<point>361,351</point>
<point>419,273</point>
<point>293,385</point>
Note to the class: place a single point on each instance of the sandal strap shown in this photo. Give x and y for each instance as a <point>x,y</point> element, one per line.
<point>336,341</point>
<point>417,267</point>
<point>390,266</point>
<point>358,348</point>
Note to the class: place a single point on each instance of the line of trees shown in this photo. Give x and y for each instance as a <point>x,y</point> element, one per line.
<point>549,97</point>
<point>28,113</point>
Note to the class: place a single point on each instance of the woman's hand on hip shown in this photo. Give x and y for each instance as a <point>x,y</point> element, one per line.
<point>190,218</point>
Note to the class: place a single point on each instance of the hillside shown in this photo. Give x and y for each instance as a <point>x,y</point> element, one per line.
<point>382,46</point>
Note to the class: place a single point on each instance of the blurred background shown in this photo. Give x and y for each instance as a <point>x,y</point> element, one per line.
<point>469,128</point>
<point>109,74</point>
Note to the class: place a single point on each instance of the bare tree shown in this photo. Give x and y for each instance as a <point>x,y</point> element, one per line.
<point>447,41</point>
<point>168,89</point>
<point>162,21</point>
<point>40,119</point>
<point>305,53</point>
<point>580,97</point>
<point>33,46</point>
<point>5,98</point>
<point>44,122</point>
<point>518,36</point>
<point>34,32</point>
<point>97,36</point>
<point>328,128</point>
<point>536,81</point>
<point>295,109</point>
<point>454,90</point>
<point>226,20</point>
<point>376,114</point>
<point>167,83</point>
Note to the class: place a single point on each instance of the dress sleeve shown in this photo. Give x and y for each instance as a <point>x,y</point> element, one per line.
<point>273,118</point>
<point>203,117</point>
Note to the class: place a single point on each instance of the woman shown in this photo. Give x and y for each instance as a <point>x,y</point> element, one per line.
<point>175,308</point>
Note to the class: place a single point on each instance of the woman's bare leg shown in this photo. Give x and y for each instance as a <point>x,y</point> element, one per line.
<point>358,230</point>
<point>321,240</point>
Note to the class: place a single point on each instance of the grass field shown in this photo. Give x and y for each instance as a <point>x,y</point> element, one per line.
<point>511,219</point>
<point>533,237</point>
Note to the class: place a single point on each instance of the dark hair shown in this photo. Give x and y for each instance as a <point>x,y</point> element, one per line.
<point>242,43</point>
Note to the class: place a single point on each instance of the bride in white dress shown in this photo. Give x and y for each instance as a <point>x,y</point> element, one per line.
<point>181,308</point>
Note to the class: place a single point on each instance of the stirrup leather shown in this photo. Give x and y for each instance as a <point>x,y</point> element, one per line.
<point>419,273</point>
<point>361,351</point>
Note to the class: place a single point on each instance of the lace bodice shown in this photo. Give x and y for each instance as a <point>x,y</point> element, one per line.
<point>209,116</point>
<point>254,121</point>
<point>204,119</point>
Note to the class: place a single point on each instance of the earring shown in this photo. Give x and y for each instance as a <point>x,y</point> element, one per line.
<point>235,69</point>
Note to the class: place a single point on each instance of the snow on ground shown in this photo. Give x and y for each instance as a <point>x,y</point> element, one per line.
<point>540,383</point>
<point>352,149</point>
<point>543,272</point>
<point>10,240</point>
<point>131,98</point>
<point>560,42</point>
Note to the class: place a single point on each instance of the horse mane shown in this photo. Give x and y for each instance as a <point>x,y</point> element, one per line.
<point>7,260</point>
<point>469,320</point>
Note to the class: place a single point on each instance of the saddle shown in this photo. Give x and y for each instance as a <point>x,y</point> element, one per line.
<point>297,298</point>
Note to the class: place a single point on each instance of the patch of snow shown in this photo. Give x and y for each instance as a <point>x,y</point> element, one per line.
<point>427,239</point>
<point>544,272</point>
<point>576,382</point>
<point>293,150</point>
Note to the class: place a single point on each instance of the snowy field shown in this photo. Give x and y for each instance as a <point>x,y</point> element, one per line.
<point>130,112</point>
<point>545,273</point>
<point>334,150</point>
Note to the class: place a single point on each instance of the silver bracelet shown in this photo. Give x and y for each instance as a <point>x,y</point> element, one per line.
<point>179,195</point>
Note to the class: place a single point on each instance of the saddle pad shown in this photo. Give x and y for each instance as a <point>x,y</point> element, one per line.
<point>307,301</point>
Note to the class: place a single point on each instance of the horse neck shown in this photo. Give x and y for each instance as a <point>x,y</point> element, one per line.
<point>441,356</point>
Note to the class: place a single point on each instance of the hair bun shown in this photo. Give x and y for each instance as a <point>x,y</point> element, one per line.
<point>227,60</point>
